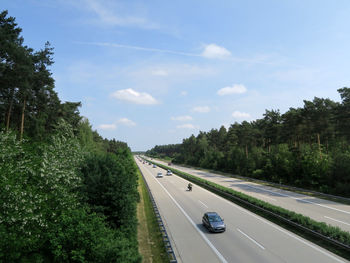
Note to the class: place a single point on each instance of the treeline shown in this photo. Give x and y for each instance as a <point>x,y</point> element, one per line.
<point>305,147</point>
<point>66,194</point>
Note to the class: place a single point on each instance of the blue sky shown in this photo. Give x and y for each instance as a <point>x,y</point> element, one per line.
<point>154,72</point>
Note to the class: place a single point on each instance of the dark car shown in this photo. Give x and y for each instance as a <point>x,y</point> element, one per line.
<point>213,222</point>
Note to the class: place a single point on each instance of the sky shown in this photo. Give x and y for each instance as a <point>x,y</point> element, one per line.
<point>154,72</point>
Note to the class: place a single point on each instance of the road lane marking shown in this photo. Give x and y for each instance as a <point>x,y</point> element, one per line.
<point>296,198</point>
<point>251,239</point>
<point>221,257</point>
<point>203,203</point>
<point>264,196</point>
<point>300,199</point>
<point>280,229</point>
<point>337,220</point>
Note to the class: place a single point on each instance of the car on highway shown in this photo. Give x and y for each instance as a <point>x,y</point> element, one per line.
<point>159,175</point>
<point>154,166</point>
<point>169,172</point>
<point>213,222</point>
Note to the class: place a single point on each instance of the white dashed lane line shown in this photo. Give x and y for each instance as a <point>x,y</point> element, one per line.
<point>337,220</point>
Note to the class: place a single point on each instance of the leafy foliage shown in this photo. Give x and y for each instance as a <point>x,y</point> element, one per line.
<point>46,213</point>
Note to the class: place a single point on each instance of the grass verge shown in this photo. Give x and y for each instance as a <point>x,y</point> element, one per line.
<point>151,245</point>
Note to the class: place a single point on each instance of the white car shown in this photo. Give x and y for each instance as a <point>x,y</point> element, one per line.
<point>159,175</point>
<point>169,172</point>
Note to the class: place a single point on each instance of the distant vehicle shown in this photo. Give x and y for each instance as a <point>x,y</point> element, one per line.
<point>169,172</point>
<point>169,164</point>
<point>149,163</point>
<point>154,166</point>
<point>159,175</point>
<point>213,222</point>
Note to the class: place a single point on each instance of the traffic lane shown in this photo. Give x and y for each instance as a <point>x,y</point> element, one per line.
<point>322,210</point>
<point>186,241</point>
<point>245,228</point>
<point>233,248</point>
<point>236,256</point>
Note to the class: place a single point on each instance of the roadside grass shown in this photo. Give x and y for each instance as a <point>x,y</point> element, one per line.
<point>151,245</point>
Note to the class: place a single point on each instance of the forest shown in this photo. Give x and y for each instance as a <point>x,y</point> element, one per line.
<point>305,147</point>
<point>66,193</point>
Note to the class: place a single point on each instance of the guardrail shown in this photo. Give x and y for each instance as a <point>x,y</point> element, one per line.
<point>248,204</point>
<point>166,240</point>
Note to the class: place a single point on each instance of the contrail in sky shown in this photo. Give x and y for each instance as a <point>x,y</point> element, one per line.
<point>104,44</point>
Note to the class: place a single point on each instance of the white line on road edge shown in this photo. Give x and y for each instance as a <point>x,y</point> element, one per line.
<point>296,198</point>
<point>299,198</point>
<point>337,220</point>
<point>221,257</point>
<point>203,203</point>
<point>251,239</point>
<point>281,229</point>
<point>264,196</point>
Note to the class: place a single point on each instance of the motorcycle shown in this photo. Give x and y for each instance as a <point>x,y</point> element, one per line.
<point>189,187</point>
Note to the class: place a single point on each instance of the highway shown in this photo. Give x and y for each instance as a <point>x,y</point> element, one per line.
<point>248,237</point>
<point>321,210</point>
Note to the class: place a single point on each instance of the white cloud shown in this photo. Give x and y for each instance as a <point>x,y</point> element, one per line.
<point>183,93</point>
<point>107,126</point>
<point>235,89</point>
<point>133,96</point>
<point>215,51</point>
<point>201,109</point>
<point>126,122</point>
<point>240,115</point>
<point>187,126</point>
<point>159,72</point>
<point>182,118</point>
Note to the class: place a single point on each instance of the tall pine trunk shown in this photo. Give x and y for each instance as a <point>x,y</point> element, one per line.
<point>319,144</point>
<point>22,120</point>
<point>8,117</point>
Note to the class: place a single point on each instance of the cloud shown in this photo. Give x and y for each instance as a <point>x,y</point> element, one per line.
<point>215,51</point>
<point>187,126</point>
<point>126,122</point>
<point>240,115</point>
<point>107,126</point>
<point>235,89</point>
<point>201,109</point>
<point>106,16</point>
<point>159,72</point>
<point>133,96</point>
<point>183,93</point>
<point>182,118</point>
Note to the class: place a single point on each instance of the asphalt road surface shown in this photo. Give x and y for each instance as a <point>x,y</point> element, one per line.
<point>248,237</point>
<point>321,210</point>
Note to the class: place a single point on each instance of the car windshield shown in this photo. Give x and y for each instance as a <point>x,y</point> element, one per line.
<point>214,218</point>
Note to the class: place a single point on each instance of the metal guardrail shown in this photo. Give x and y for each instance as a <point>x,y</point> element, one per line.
<point>285,220</point>
<point>166,240</point>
